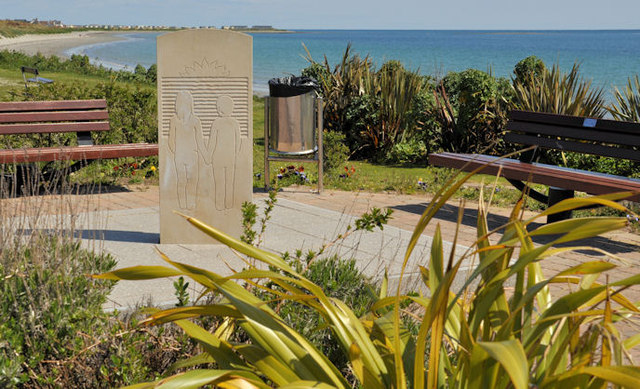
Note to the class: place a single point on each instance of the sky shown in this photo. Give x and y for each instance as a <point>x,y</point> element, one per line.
<point>338,14</point>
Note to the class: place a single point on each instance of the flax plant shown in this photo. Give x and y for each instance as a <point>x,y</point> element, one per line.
<point>627,105</point>
<point>341,84</point>
<point>501,329</point>
<point>558,92</point>
<point>396,88</point>
<point>387,94</point>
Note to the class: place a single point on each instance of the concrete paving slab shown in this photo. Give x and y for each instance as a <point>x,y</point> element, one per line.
<point>131,236</point>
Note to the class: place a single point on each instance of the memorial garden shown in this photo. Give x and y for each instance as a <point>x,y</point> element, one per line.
<point>483,311</point>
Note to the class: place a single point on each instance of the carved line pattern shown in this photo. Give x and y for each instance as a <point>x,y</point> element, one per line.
<point>205,91</point>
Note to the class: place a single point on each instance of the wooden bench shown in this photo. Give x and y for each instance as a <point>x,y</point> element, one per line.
<point>65,116</point>
<point>601,137</point>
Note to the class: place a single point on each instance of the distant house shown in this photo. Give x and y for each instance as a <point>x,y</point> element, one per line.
<point>53,23</point>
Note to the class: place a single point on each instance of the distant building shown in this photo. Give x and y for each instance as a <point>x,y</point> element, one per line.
<point>53,23</point>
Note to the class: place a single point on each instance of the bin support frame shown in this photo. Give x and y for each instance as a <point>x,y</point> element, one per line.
<point>318,154</point>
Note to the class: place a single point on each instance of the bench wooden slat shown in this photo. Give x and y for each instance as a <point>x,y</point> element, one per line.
<point>580,147</point>
<point>58,105</point>
<point>576,133</point>
<point>78,153</point>
<point>38,128</point>
<point>550,175</point>
<point>573,121</point>
<point>60,116</point>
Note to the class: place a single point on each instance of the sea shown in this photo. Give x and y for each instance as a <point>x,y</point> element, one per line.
<point>607,58</point>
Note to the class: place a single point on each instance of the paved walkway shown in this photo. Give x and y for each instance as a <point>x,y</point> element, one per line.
<point>126,224</point>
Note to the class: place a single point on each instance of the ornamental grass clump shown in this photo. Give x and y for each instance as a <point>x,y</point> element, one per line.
<point>371,107</point>
<point>554,91</point>
<point>501,329</point>
<point>627,104</point>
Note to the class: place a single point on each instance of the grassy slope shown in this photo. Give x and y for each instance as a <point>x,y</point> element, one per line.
<point>11,80</point>
<point>10,28</point>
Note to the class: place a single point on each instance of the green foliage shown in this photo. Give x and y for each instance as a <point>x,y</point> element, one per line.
<point>335,151</point>
<point>621,167</point>
<point>13,28</point>
<point>249,218</point>
<point>559,92</point>
<point>529,68</point>
<point>470,109</point>
<point>54,332</point>
<point>627,104</point>
<point>46,301</point>
<point>407,152</point>
<point>340,87</point>
<point>132,113</point>
<point>181,292</point>
<point>423,118</point>
<point>567,93</point>
<point>395,89</point>
<point>78,64</point>
<point>152,74</point>
<point>374,219</point>
<point>500,329</point>
<point>372,108</point>
<point>318,72</point>
<point>341,279</point>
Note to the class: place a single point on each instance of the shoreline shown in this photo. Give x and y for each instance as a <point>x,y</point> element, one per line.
<point>57,44</point>
<point>62,45</point>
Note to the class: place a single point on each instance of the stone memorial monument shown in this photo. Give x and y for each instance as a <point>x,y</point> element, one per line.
<point>205,131</point>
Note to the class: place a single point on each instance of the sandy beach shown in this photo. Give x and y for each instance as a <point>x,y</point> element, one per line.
<point>56,44</point>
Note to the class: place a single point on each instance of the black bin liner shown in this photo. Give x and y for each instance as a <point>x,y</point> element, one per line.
<point>292,86</point>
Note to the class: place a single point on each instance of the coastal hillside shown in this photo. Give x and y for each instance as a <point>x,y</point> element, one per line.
<point>13,28</point>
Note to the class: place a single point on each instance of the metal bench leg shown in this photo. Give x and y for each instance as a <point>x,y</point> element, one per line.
<point>555,196</point>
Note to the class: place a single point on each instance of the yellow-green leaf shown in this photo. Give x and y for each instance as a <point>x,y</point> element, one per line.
<point>510,354</point>
<point>139,273</point>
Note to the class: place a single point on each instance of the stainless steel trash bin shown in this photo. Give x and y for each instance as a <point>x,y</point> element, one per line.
<point>292,124</point>
<point>293,131</point>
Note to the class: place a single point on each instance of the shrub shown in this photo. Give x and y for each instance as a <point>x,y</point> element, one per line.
<point>627,104</point>
<point>132,112</point>
<point>395,89</point>
<point>408,152</point>
<point>371,107</point>
<point>470,108</point>
<point>76,64</point>
<point>341,280</point>
<point>529,68</point>
<point>47,300</point>
<point>335,151</point>
<point>559,92</point>
<point>54,332</point>
<point>567,93</point>
<point>501,329</point>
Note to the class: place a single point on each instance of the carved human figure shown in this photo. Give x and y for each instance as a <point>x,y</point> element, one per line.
<point>185,142</point>
<point>225,141</point>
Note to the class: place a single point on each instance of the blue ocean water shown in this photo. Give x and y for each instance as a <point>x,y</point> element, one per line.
<point>606,57</point>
